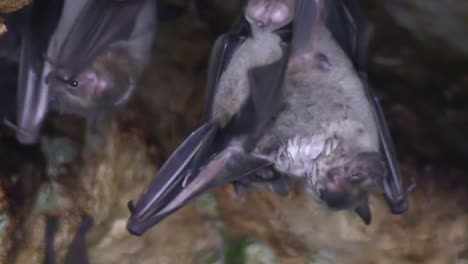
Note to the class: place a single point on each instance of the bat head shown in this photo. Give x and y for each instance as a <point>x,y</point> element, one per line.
<point>271,14</point>
<point>347,186</point>
<point>81,94</point>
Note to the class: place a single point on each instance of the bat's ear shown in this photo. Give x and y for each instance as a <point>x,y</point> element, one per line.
<point>268,13</point>
<point>239,188</point>
<point>364,212</point>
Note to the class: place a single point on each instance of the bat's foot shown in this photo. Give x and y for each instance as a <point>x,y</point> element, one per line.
<point>270,14</point>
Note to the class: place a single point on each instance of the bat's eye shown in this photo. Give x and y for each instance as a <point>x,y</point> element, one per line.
<point>73,83</point>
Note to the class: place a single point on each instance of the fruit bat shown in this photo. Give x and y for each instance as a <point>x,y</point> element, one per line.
<point>81,57</point>
<point>285,102</point>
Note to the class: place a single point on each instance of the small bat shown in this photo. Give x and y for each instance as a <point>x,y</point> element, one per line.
<point>77,251</point>
<point>322,124</point>
<point>81,57</point>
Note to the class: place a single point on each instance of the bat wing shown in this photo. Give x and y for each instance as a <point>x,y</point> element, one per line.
<point>32,97</point>
<point>98,25</point>
<point>263,103</point>
<point>192,170</point>
<point>359,32</point>
<point>169,181</point>
<point>350,28</point>
<point>352,31</point>
<point>343,18</point>
<point>179,180</point>
<point>221,55</point>
<point>392,185</point>
<point>227,166</point>
<point>306,12</point>
<point>184,164</point>
<point>234,161</point>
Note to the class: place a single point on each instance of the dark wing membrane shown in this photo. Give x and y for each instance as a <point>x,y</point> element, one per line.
<point>351,30</point>
<point>233,163</point>
<point>392,185</point>
<point>230,165</point>
<point>395,194</point>
<point>342,25</point>
<point>264,102</point>
<point>221,54</point>
<point>33,97</point>
<point>169,181</point>
<point>361,37</point>
<point>43,20</point>
<point>306,11</point>
<point>99,24</point>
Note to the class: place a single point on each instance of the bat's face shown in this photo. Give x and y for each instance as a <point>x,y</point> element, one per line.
<point>271,14</point>
<point>82,93</point>
<point>344,187</point>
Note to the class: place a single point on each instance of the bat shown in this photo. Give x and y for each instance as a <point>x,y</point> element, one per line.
<point>80,57</point>
<point>218,151</point>
<point>310,115</point>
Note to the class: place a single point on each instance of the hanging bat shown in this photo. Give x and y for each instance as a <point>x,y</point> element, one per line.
<point>322,124</point>
<point>81,57</point>
<point>257,55</point>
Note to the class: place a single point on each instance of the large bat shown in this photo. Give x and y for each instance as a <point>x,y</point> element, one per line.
<point>321,123</point>
<point>81,57</point>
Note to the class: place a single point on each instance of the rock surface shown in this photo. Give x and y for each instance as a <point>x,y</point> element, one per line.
<point>7,6</point>
<point>440,25</point>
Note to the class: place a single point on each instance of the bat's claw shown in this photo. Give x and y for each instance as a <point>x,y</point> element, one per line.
<point>400,204</point>
<point>131,206</point>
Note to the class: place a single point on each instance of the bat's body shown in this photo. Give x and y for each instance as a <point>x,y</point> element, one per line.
<point>177,182</point>
<point>326,120</point>
<point>280,108</point>
<point>84,60</point>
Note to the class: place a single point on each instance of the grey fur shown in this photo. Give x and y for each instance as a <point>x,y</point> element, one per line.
<point>326,120</point>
